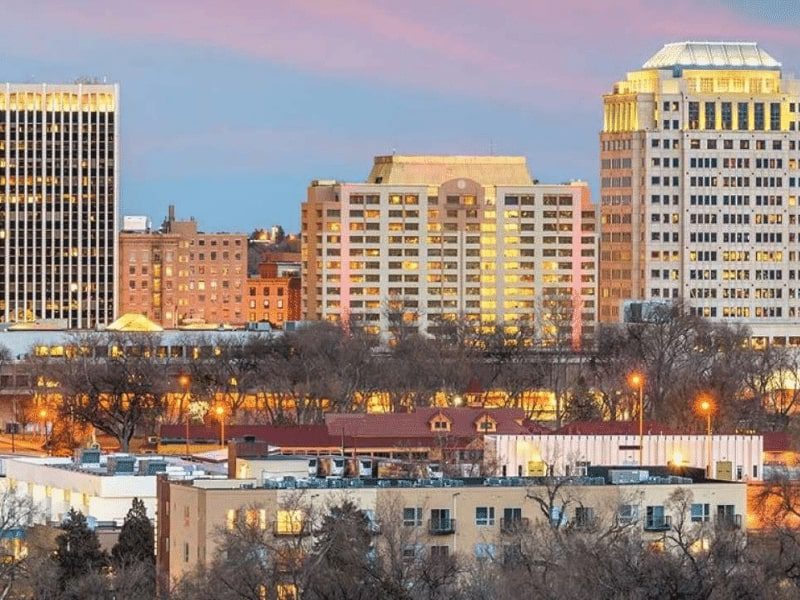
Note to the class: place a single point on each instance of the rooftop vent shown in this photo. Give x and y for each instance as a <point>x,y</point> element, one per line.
<point>87,456</point>
<point>151,467</point>
<point>121,465</point>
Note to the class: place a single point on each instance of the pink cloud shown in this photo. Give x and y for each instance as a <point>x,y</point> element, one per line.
<point>542,53</point>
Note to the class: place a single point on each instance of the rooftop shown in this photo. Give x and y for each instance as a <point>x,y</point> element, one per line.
<point>616,428</point>
<point>437,169</point>
<point>712,55</point>
<point>597,476</point>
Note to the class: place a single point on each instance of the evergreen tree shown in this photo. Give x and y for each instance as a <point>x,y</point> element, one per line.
<point>136,539</point>
<point>78,551</point>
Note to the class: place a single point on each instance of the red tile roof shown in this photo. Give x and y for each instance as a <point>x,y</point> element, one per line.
<point>301,436</point>
<point>417,424</point>
<point>393,429</point>
<point>616,428</point>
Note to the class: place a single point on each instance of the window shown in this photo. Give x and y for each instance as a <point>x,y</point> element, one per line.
<point>628,513</point>
<point>412,516</point>
<point>411,552</point>
<point>484,551</point>
<point>441,521</point>
<point>439,552</point>
<point>725,512</point>
<point>727,117</point>
<point>512,517</point>
<point>186,552</point>
<point>711,115</point>
<point>584,516</point>
<point>557,516</point>
<point>701,513</point>
<point>758,116</point>
<point>655,518</point>
<point>694,115</point>
<point>484,516</point>
<point>741,108</point>
<point>775,116</point>
<point>289,522</point>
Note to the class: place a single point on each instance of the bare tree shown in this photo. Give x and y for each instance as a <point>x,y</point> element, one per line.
<point>114,382</point>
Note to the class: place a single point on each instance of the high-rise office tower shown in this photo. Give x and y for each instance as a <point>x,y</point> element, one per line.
<point>58,179</point>
<point>699,184</point>
<point>428,240</point>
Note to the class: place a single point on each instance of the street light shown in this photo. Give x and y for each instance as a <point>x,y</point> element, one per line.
<point>705,406</point>
<point>636,381</point>
<point>43,418</point>
<point>219,410</point>
<point>185,381</point>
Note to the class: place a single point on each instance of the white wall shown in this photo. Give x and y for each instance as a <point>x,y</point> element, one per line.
<point>515,451</point>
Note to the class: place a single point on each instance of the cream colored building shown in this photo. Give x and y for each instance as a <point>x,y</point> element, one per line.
<point>56,485</point>
<point>440,238</point>
<point>471,520</point>
<point>699,183</point>
<point>732,457</point>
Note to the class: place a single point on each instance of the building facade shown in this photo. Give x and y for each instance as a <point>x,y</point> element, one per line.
<point>699,182</point>
<point>435,239</point>
<point>59,176</point>
<point>181,276</point>
<point>274,295</point>
<point>474,519</point>
<point>731,457</point>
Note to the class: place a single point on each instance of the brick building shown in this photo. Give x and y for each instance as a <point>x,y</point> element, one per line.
<point>274,294</point>
<point>180,276</point>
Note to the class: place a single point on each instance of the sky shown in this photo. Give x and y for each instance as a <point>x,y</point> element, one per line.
<point>230,108</point>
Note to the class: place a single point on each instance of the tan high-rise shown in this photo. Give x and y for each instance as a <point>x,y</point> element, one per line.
<point>699,184</point>
<point>443,238</point>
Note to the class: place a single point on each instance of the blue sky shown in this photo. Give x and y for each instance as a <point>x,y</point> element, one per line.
<point>229,109</point>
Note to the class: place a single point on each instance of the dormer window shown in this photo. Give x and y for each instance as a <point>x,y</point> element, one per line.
<point>485,424</point>
<point>440,423</point>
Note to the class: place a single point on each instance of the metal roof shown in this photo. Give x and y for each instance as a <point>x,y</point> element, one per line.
<point>434,170</point>
<point>712,55</point>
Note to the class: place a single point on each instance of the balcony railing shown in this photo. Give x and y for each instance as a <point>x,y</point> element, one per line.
<point>441,526</point>
<point>514,525</point>
<point>658,523</point>
<point>730,521</point>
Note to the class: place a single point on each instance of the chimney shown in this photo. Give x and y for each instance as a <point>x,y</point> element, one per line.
<point>171,213</point>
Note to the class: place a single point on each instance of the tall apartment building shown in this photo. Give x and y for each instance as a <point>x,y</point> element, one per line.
<point>699,183</point>
<point>437,238</point>
<point>181,276</point>
<point>58,180</point>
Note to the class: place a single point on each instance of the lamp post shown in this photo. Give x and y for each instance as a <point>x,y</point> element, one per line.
<point>14,424</point>
<point>219,410</point>
<point>185,382</point>
<point>43,417</point>
<point>454,523</point>
<point>636,381</point>
<point>705,406</point>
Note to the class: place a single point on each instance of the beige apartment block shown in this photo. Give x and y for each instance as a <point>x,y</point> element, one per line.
<point>473,520</point>
<point>435,239</point>
<point>699,182</point>
<point>59,174</point>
